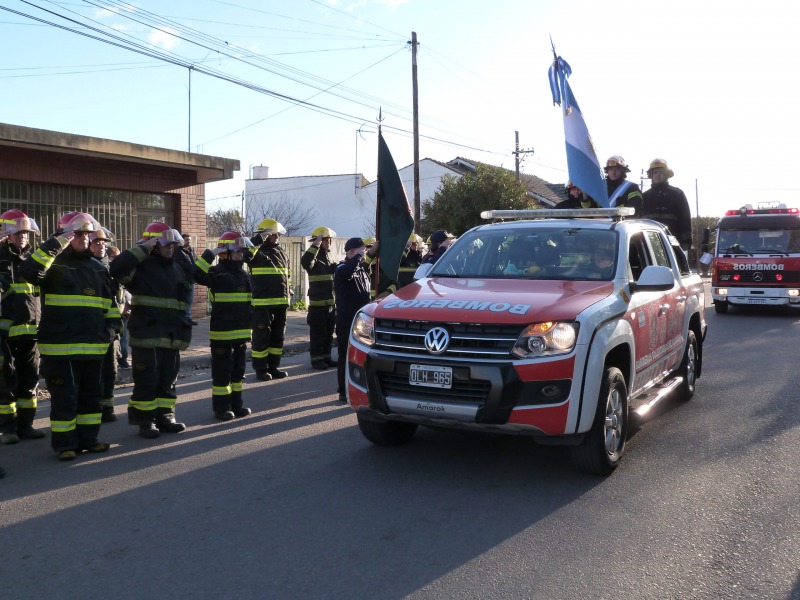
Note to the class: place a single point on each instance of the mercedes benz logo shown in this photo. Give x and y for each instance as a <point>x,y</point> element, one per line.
<point>436,340</point>
<point>758,276</point>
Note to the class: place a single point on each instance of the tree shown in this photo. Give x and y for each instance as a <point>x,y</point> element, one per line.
<point>457,204</point>
<point>222,220</point>
<point>297,218</point>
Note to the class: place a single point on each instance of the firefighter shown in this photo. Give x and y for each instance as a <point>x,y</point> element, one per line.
<point>412,259</point>
<point>440,241</point>
<point>18,331</point>
<point>576,198</point>
<point>269,267</point>
<point>621,192</point>
<point>321,306</point>
<point>667,204</point>
<point>79,315</point>
<point>159,329</point>
<point>231,295</point>
<point>98,242</point>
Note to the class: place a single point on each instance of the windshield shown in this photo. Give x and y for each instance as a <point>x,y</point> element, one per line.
<point>759,241</point>
<point>572,253</point>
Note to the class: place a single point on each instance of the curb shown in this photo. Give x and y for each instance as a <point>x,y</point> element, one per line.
<point>199,360</point>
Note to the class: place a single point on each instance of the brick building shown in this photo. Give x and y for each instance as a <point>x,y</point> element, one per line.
<point>124,186</point>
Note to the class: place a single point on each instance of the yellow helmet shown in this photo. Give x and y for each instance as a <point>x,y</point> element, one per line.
<point>270,226</point>
<point>323,232</point>
<point>368,241</point>
<point>415,238</point>
<point>660,163</point>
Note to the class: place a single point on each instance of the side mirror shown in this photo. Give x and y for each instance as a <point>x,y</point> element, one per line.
<point>654,278</point>
<point>422,270</point>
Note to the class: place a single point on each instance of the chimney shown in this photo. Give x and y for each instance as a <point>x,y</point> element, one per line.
<point>260,172</point>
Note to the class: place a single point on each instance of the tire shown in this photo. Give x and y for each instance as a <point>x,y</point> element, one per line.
<point>602,448</point>
<point>387,433</point>
<point>721,307</point>
<point>688,368</point>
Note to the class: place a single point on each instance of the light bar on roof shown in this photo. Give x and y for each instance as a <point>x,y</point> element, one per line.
<point>560,213</point>
<point>747,210</point>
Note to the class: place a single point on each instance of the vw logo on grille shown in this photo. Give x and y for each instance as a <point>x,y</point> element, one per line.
<point>436,340</point>
<point>758,276</point>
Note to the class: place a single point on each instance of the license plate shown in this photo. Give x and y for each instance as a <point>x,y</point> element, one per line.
<point>756,301</point>
<point>429,376</point>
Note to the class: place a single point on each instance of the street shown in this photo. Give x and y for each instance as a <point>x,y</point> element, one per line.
<point>292,502</point>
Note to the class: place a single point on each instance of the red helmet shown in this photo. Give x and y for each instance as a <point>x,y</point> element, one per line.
<point>63,220</point>
<point>15,221</point>
<point>161,232</point>
<point>79,221</point>
<point>234,241</point>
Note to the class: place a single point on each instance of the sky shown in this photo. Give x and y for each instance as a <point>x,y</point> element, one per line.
<point>299,86</point>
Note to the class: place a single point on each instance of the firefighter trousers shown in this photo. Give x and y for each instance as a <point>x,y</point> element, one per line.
<point>269,328</point>
<point>342,336</point>
<point>155,371</point>
<point>75,393</point>
<point>21,373</point>
<point>228,364</point>
<point>110,367</point>
<point>321,324</point>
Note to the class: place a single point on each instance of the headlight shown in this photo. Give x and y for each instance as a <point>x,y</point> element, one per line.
<point>546,339</point>
<point>364,329</point>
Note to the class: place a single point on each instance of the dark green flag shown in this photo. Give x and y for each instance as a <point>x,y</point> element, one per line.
<point>394,219</point>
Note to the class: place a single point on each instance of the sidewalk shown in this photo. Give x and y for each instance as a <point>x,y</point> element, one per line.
<point>198,354</point>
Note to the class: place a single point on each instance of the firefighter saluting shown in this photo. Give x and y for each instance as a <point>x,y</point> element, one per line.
<point>321,307</point>
<point>79,315</point>
<point>269,268</point>
<point>20,318</point>
<point>159,329</point>
<point>231,295</point>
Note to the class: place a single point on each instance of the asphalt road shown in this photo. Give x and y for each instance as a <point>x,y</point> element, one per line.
<point>292,502</point>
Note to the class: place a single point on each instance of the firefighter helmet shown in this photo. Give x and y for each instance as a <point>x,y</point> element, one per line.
<point>368,241</point>
<point>16,221</point>
<point>270,226</point>
<point>234,241</point>
<point>63,220</point>
<point>101,234</point>
<point>162,233</point>
<point>323,232</point>
<point>80,221</point>
<point>616,161</point>
<point>660,163</point>
<point>415,238</point>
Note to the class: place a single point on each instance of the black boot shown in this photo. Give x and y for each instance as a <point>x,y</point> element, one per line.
<point>330,362</point>
<point>263,375</point>
<point>25,430</point>
<point>224,415</point>
<point>319,364</point>
<point>167,424</point>
<point>108,415</point>
<point>237,404</point>
<point>272,369</point>
<point>149,431</point>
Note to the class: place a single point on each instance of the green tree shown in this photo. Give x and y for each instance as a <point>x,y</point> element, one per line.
<point>457,204</point>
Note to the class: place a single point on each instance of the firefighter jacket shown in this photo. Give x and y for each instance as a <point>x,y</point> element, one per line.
<point>159,293</point>
<point>231,295</point>
<point>269,268</point>
<point>629,194</point>
<point>668,205</point>
<point>318,265</point>
<point>79,310</point>
<point>21,309</point>
<point>411,260</point>
<point>352,289</point>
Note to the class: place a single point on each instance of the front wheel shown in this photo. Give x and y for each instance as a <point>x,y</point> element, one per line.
<point>386,433</point>
<point>688,368</point>
<point>721,306</point>
<point>604,444</point>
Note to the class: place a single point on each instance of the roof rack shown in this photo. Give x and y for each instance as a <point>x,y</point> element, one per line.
<point>561,213</point>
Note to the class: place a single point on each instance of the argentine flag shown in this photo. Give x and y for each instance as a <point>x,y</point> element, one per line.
<point>582,164</point>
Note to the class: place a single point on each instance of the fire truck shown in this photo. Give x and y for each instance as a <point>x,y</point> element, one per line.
<point>757,258</point>
<point>560,325</point>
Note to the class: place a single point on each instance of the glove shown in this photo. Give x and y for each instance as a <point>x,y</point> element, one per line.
<point>149,244</point>
<point>218,250</point>
<point>375,250</point>
<point>65,238</point>
<point>257,239</point>
<point>317,242</point>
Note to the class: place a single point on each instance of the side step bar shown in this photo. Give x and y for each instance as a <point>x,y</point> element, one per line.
<point>659,394</point>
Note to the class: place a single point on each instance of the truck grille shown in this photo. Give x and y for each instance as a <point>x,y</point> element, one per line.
<point>469,341</point>
<point>464,391</point>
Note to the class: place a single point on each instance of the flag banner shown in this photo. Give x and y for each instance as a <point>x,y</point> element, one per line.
<point>584,168</point>
<point>395,222</point>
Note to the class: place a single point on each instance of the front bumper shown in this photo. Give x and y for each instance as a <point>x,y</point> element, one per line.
<point>755,296</point>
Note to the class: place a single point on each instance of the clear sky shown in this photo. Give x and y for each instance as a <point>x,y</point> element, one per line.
<point>695,82</point>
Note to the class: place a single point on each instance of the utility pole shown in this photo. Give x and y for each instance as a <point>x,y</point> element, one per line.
<point>415,102</point>
<point>517,152</point>
<point>189,149</point>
